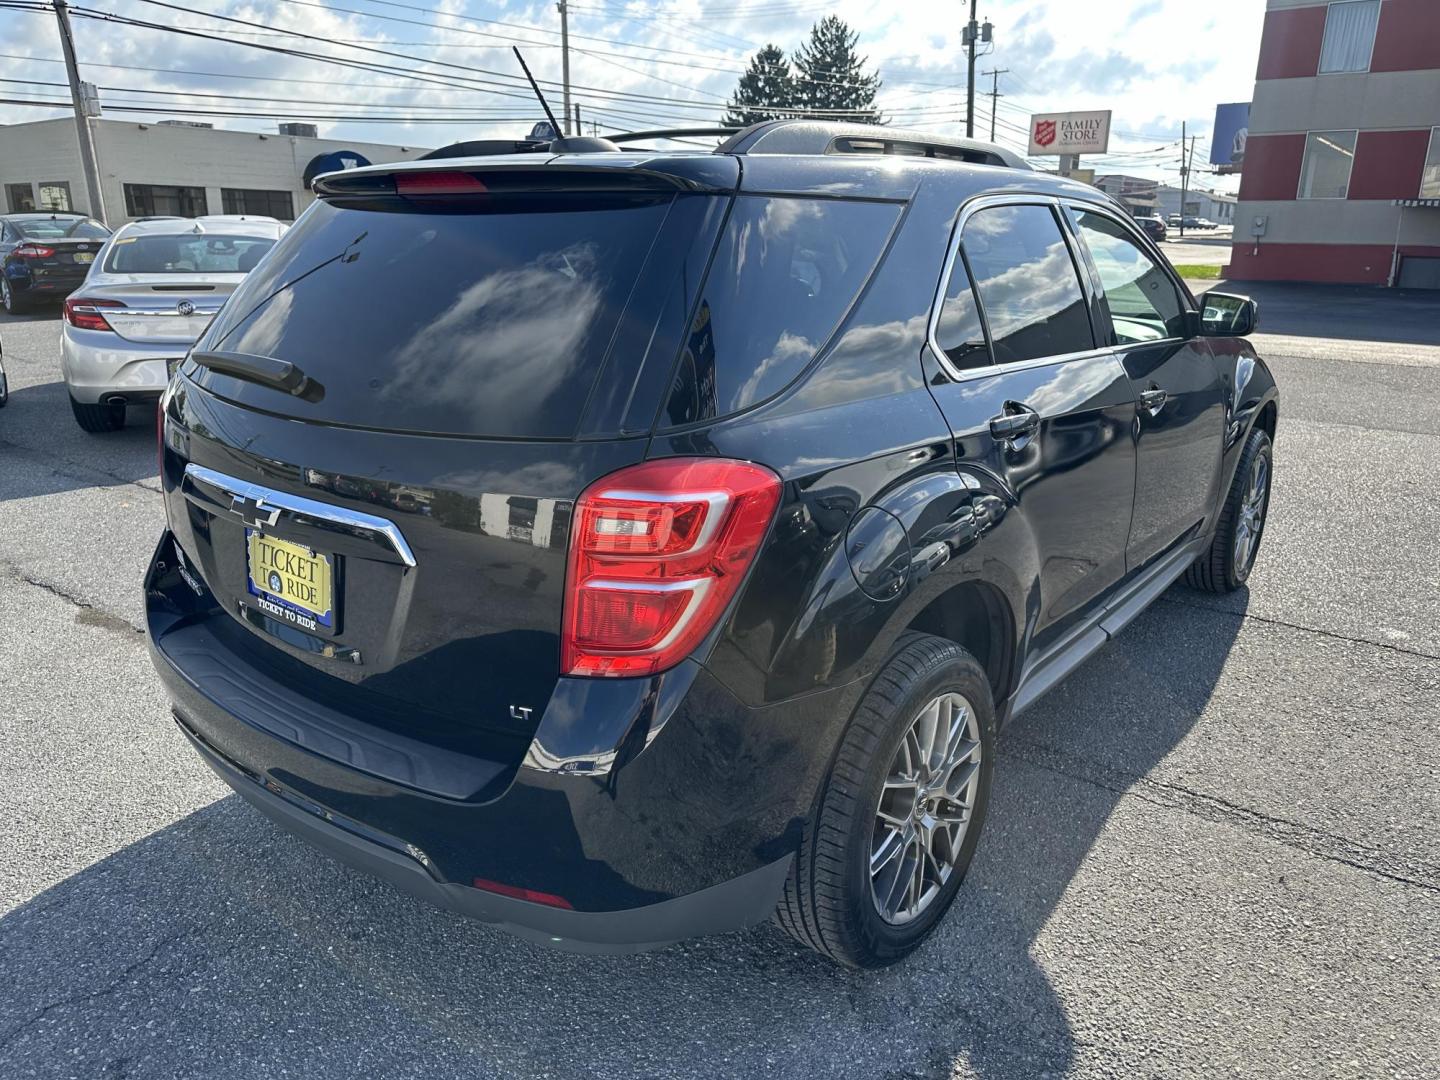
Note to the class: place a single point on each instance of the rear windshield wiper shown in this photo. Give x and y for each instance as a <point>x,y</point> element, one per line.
<point>262,370</point>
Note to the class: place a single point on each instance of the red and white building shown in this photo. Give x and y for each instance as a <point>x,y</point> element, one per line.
<point>1341,174</point>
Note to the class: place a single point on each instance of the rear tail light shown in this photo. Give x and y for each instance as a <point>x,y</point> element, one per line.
<point>515,892</point>
<point>657,551</point>
<point>85,314</point>
<point>438,183</point>
<point>34,251</point>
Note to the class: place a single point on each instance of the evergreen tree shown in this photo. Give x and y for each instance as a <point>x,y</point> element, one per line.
<point>829,74</point>
<point>766,91</point>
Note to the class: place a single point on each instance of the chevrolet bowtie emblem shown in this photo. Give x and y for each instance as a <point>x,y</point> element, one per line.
<point>254,512</point>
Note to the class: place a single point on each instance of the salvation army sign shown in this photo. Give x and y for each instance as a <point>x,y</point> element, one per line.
<point>1070,133</point>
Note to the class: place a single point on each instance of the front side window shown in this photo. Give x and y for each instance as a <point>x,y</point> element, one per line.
<point>55,197</point>
<point>276,204</point>
<point>1430,178</point>
<point>1349,36</point>
<point>1144,305</point>
<point>20,197</point>
<point>1325,170</point>
<point>159,200</point>
<point>1027,283</point>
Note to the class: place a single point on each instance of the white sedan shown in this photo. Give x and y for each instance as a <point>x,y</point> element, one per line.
<point>150,293</point>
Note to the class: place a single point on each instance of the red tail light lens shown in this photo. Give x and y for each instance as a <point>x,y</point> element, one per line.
<point>656,554</point>
<point>86,315</point>
<point>34,251</point>
<point>438,183</point>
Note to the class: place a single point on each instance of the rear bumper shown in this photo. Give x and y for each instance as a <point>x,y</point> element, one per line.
<point>655,810</point>
<point>97,365</point>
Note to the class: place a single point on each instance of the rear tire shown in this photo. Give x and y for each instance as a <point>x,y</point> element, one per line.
<point>834,896</point>
<point>15,303</point>
<point>98,419</point>
<point>1227,564</point>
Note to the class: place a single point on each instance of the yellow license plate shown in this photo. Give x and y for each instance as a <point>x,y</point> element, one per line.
<point>290,581</point>
<point>84,257</point>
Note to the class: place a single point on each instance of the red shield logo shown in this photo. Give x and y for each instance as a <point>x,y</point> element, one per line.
<point>1044,132</point>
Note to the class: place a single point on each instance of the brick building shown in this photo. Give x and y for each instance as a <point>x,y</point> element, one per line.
<point>1341,178</point>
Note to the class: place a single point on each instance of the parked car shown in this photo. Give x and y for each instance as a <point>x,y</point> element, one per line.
<point>619,546</point>
<point>45,256</point>
<point>1173,221</point>
<point>155,286</point>
<point>1153,227</point>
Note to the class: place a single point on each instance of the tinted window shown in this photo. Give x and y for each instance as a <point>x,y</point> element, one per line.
<point>958,330</point>
<point>187,254</point>
<point>1144,305</point>
<point>493,322</point>
<point>61,229</point>
<point>1027,283</point>
<point>784,274</point>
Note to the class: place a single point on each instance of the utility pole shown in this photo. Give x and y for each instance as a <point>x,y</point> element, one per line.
<point>88,163</point>
<point>1187,154</point>
<point>564,10</point>
<point>995,96</point>
<point>579,127</point>
<point>971,33</point>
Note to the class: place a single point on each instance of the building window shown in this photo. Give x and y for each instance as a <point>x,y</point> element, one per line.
<point>152,200</point>
<point>1430,178</point>
<point>1349,36</point>
<point>21,198</point>
<point>55,197</point>
<point>1325,170</point>
<point>276,204</point>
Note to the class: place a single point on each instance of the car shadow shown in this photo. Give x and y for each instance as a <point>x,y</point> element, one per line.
<point>1352,312</point>
<point>231,949</point>
<point>45,452</point>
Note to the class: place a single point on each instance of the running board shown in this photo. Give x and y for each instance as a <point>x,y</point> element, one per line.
<point>1049,670</point>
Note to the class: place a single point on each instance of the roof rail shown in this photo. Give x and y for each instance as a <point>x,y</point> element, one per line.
<point>802,136</point>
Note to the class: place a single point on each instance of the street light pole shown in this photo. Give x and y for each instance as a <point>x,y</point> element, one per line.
<point>88,163</point>
<point>564,10</point>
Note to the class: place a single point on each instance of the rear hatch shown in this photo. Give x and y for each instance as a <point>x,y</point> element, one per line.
<point>163,310</point>
<point>393,535</point>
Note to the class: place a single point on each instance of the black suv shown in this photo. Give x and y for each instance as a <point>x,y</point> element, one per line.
<point>615,545</point>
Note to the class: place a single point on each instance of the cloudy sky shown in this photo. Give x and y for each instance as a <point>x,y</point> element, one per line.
<point>635,63</point>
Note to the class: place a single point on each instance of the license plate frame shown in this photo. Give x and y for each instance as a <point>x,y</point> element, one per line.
<point>269,594</point>
<point>84,258</point>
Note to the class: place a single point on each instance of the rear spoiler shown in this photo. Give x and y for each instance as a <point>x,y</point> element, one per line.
<point>538,175</point>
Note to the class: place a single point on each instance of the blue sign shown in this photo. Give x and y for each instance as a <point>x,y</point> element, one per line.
<point>336,161</point>
<point>544,131</point>
<point>1227,139</point>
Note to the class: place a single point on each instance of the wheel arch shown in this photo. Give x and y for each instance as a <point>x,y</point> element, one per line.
<point>976,616</point>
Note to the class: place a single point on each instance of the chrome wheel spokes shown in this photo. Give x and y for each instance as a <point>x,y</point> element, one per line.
<point>1251,517</point>
<point>925,807</point>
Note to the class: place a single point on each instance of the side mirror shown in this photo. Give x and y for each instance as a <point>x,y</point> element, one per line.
<point>1226,315</point>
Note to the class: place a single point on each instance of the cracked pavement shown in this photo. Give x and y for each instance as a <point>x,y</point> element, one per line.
<point>1212,851</point>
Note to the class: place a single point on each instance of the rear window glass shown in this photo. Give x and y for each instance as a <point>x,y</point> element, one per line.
<point>1027,283</point>
<point>784,274</point>
<point>60,229</point>
<point>186,254</point>
<point>491,322</point>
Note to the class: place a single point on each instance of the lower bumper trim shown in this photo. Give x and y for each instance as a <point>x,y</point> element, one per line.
<point>731,905</point>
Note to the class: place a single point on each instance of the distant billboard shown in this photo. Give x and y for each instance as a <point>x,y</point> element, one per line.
<point>1070,133</point>
<point>1227,138</point>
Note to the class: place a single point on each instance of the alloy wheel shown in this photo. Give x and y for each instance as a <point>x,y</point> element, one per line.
<point>1251,518</point>
<point>925,808</point>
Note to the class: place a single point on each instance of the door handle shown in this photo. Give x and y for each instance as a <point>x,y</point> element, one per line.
<point>1153,400</point>
<point>1012,425</point>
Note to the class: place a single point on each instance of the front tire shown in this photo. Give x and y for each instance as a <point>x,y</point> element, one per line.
<point>98,419</point>
<point>899,816</point>
<point>1227,564</point>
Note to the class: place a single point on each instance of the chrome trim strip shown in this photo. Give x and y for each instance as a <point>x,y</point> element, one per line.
<point>297,504</point>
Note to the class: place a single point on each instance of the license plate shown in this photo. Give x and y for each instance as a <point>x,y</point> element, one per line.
<point>290,581</point>
<point>85,257</point>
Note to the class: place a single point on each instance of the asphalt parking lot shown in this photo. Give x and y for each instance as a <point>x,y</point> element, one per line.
<point>1213,851</point>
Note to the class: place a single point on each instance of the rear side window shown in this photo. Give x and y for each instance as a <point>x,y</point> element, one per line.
<point>491,322</point>
<point>959,331</point>
<point>1143,303</point>
<point>1027,283</point>
<point>784,274</point>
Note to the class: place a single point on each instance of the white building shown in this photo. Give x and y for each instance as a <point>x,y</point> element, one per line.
<point>148,169</point>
